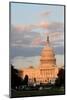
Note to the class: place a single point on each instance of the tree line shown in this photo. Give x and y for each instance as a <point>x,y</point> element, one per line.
<point>16,80</point>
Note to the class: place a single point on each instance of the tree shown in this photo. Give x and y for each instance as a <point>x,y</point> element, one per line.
<point>26,80</point>
<point>61,78</point>
<point>34,80</point>
<point>16,80</point>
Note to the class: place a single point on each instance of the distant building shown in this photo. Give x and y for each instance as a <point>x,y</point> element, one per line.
<point>47,70</point>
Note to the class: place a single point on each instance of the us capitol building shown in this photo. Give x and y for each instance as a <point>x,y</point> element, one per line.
<point>47,70</point>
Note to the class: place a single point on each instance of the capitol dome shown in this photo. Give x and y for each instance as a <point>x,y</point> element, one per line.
<point>47,69</point>
<point>47,54</point>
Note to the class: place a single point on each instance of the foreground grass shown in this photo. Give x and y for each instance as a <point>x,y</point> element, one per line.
<point>44,92</point>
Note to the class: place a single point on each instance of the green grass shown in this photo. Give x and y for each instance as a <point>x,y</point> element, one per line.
<point>44,92</point>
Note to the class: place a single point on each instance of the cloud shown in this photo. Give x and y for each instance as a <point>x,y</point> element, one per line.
<point>30,27</point>
<point>56,27</point>
<point>20,61</point>
<point>56,36</point>
<point>24,35</point>
<point>45,14</point>
<point>22,38</point>
<point>43,25</point>
<point>23,27</point>
<point>36,41</point>
<point>51,26</point>
<point>55,30</point>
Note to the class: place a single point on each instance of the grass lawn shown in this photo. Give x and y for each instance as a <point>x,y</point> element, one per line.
<point>44,92</point>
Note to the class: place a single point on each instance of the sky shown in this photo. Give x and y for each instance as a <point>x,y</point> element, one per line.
<point>31,13</point>
<point>30,25</point>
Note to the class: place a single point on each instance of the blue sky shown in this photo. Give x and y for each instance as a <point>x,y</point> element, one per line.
<point>30,13</point>
<point>30,24</point>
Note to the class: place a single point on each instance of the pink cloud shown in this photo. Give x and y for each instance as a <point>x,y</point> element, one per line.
<point>28,28</point>
<point>23,27</point>
<point>45,13</point>
<point>36,41</point>
<point>43,25</point>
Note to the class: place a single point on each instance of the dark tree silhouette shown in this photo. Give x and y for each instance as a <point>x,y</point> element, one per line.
<point>34,80</point>
<point>16,80</point>
<point>60,81</point>
<point>26,80</point>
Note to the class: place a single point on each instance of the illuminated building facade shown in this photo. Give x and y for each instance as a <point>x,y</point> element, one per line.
<point>47,70</point>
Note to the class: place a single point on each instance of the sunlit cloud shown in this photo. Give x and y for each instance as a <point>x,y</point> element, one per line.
<point>23,28</point>
<point>43,25</point>
<point>24,35</point>
<point>45,14</point>
<point>20,61</point>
